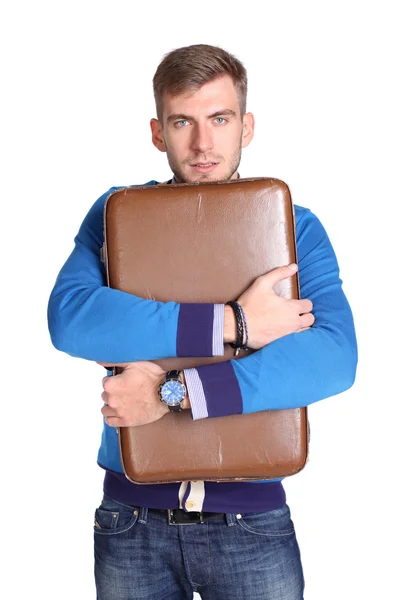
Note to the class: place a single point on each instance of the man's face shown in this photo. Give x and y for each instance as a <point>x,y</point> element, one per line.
<point>202,132</point>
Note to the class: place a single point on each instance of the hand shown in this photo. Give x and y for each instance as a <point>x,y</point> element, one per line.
<point>131,397</point>
<point>268,315</point>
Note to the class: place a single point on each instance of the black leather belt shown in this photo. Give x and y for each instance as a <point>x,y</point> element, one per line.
<point>178,516</point>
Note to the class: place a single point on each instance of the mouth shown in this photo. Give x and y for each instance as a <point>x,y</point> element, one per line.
<point>204,167</point>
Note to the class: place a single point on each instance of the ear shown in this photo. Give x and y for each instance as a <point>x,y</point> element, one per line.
<point>157,135</point>
<point>248,129</point>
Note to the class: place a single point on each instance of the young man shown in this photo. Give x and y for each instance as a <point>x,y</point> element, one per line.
<point>247,548</point>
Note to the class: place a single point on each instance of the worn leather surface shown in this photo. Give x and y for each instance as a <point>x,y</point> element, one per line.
<point>205,242</point>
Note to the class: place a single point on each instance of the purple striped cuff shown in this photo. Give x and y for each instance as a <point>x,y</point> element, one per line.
<point>218,330</point>
<point>213,391</point>
<point>196,395</point>
<point>200,330</point>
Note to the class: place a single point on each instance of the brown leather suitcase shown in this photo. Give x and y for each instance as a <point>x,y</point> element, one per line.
<point>205,242</point>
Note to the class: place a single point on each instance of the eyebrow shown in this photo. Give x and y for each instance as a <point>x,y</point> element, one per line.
<point>180,116</point>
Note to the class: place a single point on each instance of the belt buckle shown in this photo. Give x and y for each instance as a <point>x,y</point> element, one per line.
<point>172,520</point>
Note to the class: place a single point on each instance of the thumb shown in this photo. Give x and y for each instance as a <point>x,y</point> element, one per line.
<point>280,273</point>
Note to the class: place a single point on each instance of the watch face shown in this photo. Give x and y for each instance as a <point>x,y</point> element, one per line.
<point>173,392</point>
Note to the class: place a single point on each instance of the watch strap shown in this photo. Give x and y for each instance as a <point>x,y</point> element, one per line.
<point>172,375</point>
<point>176,408</point>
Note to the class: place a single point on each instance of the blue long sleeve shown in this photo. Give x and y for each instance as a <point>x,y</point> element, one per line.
<point>88,320</point>
<point>301,368</point>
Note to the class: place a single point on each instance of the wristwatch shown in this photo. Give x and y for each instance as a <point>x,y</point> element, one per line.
<point>172,391</point>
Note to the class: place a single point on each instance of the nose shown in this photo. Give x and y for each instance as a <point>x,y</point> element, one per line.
<point>202,139</point>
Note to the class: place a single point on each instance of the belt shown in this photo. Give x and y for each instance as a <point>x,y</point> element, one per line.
<point>178,516</point>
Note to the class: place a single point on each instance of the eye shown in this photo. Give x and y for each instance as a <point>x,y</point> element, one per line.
<point>220,120</point>
<point>181,123</point>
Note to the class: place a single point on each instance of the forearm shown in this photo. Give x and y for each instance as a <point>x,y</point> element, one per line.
<point>97,323</point>
<point>294,371</point>
<point>89,320</point>
<point>297,369</point>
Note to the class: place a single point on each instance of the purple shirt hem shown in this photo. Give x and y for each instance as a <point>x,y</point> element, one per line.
<point>229,497</point>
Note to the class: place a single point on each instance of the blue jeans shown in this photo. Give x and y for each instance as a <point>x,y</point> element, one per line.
<point>139,555</point>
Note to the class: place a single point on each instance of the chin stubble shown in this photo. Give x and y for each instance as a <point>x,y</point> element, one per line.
<point>180,177</point>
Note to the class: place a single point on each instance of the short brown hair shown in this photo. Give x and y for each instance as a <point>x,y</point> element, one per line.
<point>191,67</point>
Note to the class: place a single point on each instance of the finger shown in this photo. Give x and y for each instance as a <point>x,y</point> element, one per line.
<point>113,422</point>
<point>111,383</point>
<point>304,306</point>
<point>107,411</point>
<point>108,383</point>
<point>307,320</point>
<point>111,413</point>
<point>110,400</point>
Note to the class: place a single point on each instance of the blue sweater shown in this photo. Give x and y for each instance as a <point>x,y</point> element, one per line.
<point>91,321</point>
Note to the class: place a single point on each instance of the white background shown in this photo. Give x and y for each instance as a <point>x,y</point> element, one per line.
<point>76,104</point>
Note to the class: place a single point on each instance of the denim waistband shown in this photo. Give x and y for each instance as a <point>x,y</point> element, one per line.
<point>178,516</point>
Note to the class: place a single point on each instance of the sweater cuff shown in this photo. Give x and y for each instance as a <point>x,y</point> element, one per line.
<point>213,391</point>
<point>200,330</point>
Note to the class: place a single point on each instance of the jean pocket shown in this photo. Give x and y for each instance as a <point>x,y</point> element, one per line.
<point>272,523</point>
<point>112,518</point>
